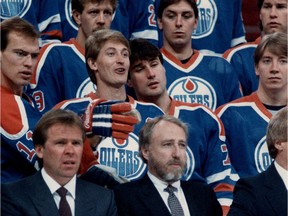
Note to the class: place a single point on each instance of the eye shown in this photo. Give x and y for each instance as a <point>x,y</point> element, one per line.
<point>21,53</point>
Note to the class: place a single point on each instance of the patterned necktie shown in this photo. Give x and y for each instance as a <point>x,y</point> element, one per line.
<point>173,202</point>
<point>64,208</point>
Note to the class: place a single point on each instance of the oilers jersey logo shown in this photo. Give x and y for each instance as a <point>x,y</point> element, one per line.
<point>85,88</point>
<point>11,8</point>
<point>123,156</point>
<point>208,14</point>
<point>192,89</point>
<point>190,164</point>
<point>68,14</point>
<point>261,155</point>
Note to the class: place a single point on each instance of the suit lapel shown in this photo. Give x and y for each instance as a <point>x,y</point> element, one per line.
<point>43,199</point>
<point>276,190</point>
<point>151,198</point>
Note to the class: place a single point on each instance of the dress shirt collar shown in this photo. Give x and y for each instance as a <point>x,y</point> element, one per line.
<point>159,184</point>
<point>283,173</point>
<point>54,186</point>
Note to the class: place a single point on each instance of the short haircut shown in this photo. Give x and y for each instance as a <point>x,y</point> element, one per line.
<point>17,25</point>
<point>260,3</point>
<point>147,130</point>
<point>96,41</point>
<point>166,3</point>
<point>277,131</point>
<point>52,117</point>
<point>78,5</point>
<point>276,43</point>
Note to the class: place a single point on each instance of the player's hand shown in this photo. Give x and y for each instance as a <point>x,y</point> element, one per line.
<point>110,118</point>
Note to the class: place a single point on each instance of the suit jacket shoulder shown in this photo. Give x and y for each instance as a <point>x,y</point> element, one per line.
<point>264,194</point>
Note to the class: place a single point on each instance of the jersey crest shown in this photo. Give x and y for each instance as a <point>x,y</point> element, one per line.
<point>208,15</point>
<point>11,8</point>
<point>261,156</point>
<point>85,88</point>
<point>190,164</point>
<point>193,89</point>
<point>68,14</point>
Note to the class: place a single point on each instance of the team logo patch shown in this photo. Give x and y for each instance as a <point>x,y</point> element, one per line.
<point>123,156</point>
<point>261,156</point>
<point>190,164</point>
<point>193,90</point>
<point>85,88</point>
<point>208,14</point>
<point>11,8</point>
<point>68,14</point>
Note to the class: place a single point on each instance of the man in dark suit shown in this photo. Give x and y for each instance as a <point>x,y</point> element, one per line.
<point>163,143</point>
<point>266,193</point>
<point>58,139</point>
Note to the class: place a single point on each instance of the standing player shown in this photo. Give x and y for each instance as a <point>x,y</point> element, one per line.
<point>273,17</point>
<point>245,120</point>
<point>107,59</point>
<point>220,26</point>
<point>207,155</point>
<point>61,72</point>
<point>43,15</point>
<point>192,76</point>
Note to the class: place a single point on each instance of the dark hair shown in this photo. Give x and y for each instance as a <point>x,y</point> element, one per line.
<point>18,25</point>
<point>96,41</point>
<point>277,131</point>
<point>146,131</point>
<point>165,3</point>
<point>260,3</point>
<point>276,43</point>
<point>78,5</point>
<point>52,117</point>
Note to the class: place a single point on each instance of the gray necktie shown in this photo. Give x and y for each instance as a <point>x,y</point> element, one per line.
<point>173,202</point>
<point>64,208</point>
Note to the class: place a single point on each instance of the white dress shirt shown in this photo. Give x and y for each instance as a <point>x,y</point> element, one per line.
<point>161,185</point>
<point>283,173</point>
<point>54,186</point>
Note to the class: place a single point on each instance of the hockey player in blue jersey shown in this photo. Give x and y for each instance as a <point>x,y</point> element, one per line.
<point>220,26</point>
<point>61,72</point>
<point>192,76</point>
<point>43,15</point>
<point>207,155</point>
<point>19,114</point>
<point>245,120</point>
<point>107,59</point>
<point>273,18</point>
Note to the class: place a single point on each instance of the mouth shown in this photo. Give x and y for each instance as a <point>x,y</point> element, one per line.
<point>26,74</point>
<point>274,25</point>
<point>153,84</point>
<point>120,70</point>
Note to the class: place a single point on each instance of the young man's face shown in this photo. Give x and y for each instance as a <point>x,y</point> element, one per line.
<point>273,16</point>
<point>272,72</point>
<point>18,61</point>
<point>94,17</point>
<point>166,153</point>
<point>148,79</point>
<point>177,23</point>
<point>112,65</point>
<point>62,152</point>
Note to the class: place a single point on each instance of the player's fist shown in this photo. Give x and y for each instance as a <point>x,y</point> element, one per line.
<point>110,118</point>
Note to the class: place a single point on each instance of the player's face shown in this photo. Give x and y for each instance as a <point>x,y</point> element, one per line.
<point>177,23</point>
<point>272,72</point>
<point>273,16</point>
<point>148,79</point>
<point>112,65</point>
<point>18,61</point>
<point>166,154</point>
<point>94,17</point>
<point>62,152</point>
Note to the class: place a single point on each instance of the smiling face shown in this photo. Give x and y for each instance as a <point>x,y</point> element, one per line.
<point>177,23</point>
<point>273,16</point>
<point>112,65</point>
<point>18,61</point>
<point>166,153</point>
<point>61,152</point>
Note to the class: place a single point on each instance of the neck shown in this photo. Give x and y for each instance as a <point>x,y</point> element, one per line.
<point>111,93</point>
<point>181,52</point>
<point>164,101</point>
<point>275,98</point>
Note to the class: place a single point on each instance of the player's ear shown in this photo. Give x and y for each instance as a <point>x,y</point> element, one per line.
<point>76,17</point>
<point>129,83</point>
<point>160,24</point>
<point>92,64</point>
<point>39,151</point>
<point>195,24</point>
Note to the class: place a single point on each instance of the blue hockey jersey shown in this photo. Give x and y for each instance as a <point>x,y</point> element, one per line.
<point>245,121</point>
<point>242,60</point>
<point>60,74</point>
<point>204,79</point>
